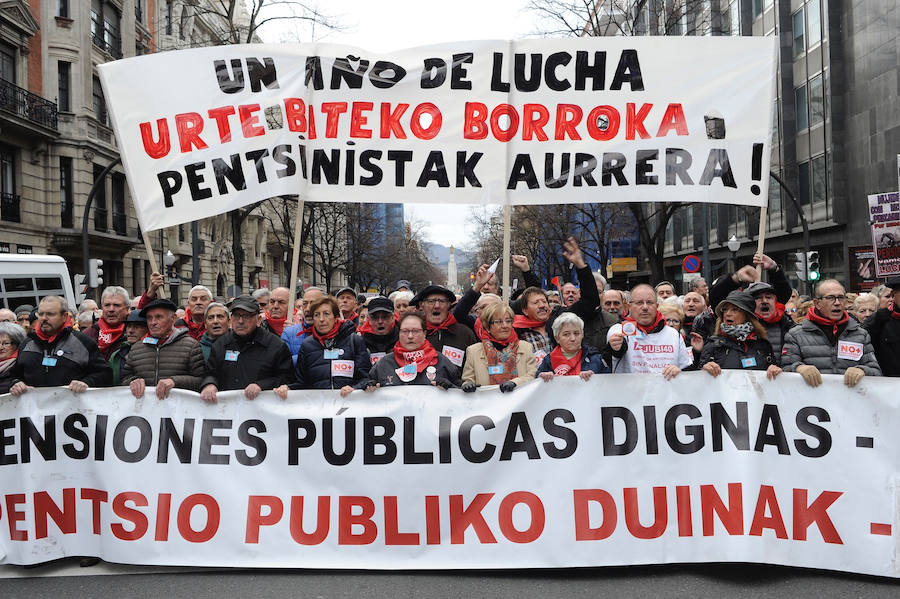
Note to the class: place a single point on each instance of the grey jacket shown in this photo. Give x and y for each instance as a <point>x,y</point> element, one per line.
<point>807,344</point>
<point>179,358</point>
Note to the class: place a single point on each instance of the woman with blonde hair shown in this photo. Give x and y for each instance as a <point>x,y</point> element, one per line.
<point>500,358</point>
<point>864,306</point>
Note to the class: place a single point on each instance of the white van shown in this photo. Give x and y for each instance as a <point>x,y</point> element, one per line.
<point>25,279</point>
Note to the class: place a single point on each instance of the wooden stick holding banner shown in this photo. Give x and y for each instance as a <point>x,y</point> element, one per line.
<point>295,260</point>
<point>761,240</point>
<point>154,267</point>
<point>507,217</point>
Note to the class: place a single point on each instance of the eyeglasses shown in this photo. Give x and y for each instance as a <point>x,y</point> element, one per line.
<point>435,301</point>
<point>791,310</point>
<point>506,321</point>
<point>6,343</point>
<point>411,331</point>
<point>673,321</point>
<point>833,298</point>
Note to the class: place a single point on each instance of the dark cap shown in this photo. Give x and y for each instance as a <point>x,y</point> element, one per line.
<point>759,287</point>
<point>24,308</point>
<point>403,283</point>
<point>345,290</point>
<point>380,304</point>
<point>433,290</point>
<point>739,299</point>
<point>245,303</point>
<point>134,317</point>
<point>893,283</point>
<point>159,303</point>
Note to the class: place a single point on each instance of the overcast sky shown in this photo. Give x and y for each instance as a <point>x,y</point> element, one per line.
<point>395,24</point>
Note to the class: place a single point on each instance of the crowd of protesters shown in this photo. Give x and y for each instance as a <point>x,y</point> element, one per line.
<point>353,344</point>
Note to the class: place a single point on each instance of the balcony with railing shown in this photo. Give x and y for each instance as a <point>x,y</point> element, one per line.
<point>9,207</point>
<point>26,105</point>
<point>120,223</point>
<point>101,219</point>
<point>109,44</point>
<point>68,216</point>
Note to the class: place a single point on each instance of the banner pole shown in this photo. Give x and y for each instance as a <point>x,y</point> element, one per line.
<point>295,260</point>
<point>507,217</point>
<point>761,239</point>
<point>154,267</point>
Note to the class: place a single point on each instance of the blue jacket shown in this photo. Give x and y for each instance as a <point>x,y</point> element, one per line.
<point>314,370</point>
<point>591,359</point>
<point>294,340</point>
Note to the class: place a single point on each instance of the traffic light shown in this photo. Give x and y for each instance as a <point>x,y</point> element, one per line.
<point>796,261</point>
<point>80,289</point>
<point>95,273</point>
<point>812,265</point>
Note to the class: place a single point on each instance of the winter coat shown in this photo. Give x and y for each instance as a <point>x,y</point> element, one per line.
<point>261,358</point>
<point>596,329</point>
<point>731,354</point>
<point>314,371</point>
<point>807,344</point>
<point>117,360</point>
<point>384,373</point>
<point>476,367</point>
<point>591,359</point>
<point>93,332</point>
<point>885,333</point>
<point>777,332</point>
<point>179,357</point>
<point>76,358</point>
<point>452,342</point>
<point>381,345</point>
<point>293,336</point>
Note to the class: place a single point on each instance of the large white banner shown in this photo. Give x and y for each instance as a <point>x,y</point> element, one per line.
<point>208,130</point>
<point>624,469</point>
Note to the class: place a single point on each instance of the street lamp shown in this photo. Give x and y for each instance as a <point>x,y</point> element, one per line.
<point>733,246</point>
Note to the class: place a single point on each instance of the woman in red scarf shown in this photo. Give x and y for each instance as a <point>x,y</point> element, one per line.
<point>500,358</point>
<point>11,336</point>
<point>572,357</point>
<point>414,360</point>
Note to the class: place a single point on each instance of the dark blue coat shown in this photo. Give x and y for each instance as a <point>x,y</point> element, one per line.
<point>591,359</point>
<point>314,371</point>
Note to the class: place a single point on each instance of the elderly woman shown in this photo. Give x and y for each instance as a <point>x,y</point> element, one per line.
<point>333,356</point>
<point>571,357</point>
<point>882,292</point>
<point>401,301</point>
<point>865,305</point>
<point>11,337</point>
<point>739,340</point>
<point>500,358</point>
<point>414,361</point>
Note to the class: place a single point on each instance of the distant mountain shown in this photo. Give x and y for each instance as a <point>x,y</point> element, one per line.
<point>439,255</point>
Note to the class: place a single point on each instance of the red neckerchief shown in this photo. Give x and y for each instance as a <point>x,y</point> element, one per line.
<point>108,335</point>
<point>448,322</point>
<point>653,328</point>
<point>305,329</point>
<point>276,324</point>
<point>563,366</point>
<point>352,316</point>
<point>819,319</point>
<point>329,335</point>
<point>66,325</point>
<point>195,329</point>
<point>485,335</point>
<point>775,317</point>
<point>523,322</point>
<point>423,356</point>
<point>892,310</point>
<point>366,327</point>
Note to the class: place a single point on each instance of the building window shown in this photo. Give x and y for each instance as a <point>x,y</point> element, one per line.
<point>819,181</point>
<point>66,195</point>
<point>139,10</point>
<point>120,220</point>
<point>101,216</point>
<point>813,23</point>
<point>816,101</point>
<point>169,16</point>
<point>9,201</point>
<point>64,99</point>
<point>757,8</point>
<point>7,63</point>
<point>799,36</point>
<point>62,8</point>
<point>801,105</point>
<point>105,32</point>
<point>99,101</point>
<point>183,29</point>
<point>803,185</point>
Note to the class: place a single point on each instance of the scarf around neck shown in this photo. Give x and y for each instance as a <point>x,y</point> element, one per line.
<point>423,356</point>
<point>776,316</point>
<point>108,335</point>
<point>448,322</point>
<point>523,322</point>
<point>817,318</point>
<point>276,324</point>
<point>66,325</point>
<point>195,329</point>
<point>740,332</point>
<point>329,335</point>
<point>657,325</point>
<point>563,366</point>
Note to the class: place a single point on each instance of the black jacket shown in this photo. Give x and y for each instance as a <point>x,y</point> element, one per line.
<point>76,358</point>
<point>729,353</point>
<point>313,370</point>
<point>885,333</point>
<point>457,336</point>
<point>724,285</point>
<point>261,358</point>
<point>384,373</point>
<point>381,344</point>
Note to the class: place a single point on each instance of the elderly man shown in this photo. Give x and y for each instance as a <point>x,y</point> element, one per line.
<point>379,331</point>
<point>772,315</point>
<point>23,316</point>
<point>135,330</point>
<point>664,290</point>
<point>262,297</point>
<point>693,305</point>
<point>613,302</point>
<point>347,304</point>
<point>166,358</point>
<point>109,331</point>
<point>643,343</point>
<point>569,295</point>
<point>198,298</point>
<point>699,286</point>
<point>54,355</point>
<point>247,357</point>
<point>829,341</point>
<point>294,335</point>
<point>278,314</point>
<point>884,328</point>
<point>216,318</point>
<point>7,315</point>
<point>448,336</point>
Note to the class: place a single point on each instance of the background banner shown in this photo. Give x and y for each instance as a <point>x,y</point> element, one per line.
<point>208,130</point>
<point>624,469</point>
<point>884,213</point>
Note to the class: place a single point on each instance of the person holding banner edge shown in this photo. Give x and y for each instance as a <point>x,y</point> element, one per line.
<point>884,328</point>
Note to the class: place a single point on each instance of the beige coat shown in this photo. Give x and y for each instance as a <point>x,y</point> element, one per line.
<point>476,366</point>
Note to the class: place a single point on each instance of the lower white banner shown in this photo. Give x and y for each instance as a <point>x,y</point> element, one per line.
<point>623,469</point>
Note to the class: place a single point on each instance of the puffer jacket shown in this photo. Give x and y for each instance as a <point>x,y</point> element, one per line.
<point>777,332</point>
<point>808,344</point>
<point>294,337</point>
<point>729,353</point>
<point>178,357</point>
<point>314,370</point>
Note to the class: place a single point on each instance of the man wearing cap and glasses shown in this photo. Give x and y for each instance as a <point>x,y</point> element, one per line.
<point>447,336</point>
<point>884,327</point>
<point>247,357</point>
<point>829,341</point>
<point>771,314</point>
<point>379,331</point>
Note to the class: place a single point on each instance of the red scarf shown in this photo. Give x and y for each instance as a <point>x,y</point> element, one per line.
<point>892,309</point>
<point>819,319</point>
<point>523,322</point>
<point>108,335</point>
<point>329,335</point>
<point>366,327</point>
<point>195,329</point>
<point>563,366</point>
<point>485,335</point>
<point>353,316</point>
<point>66,325</point>
<point>448,322</point>
<point>648,330</point>
<point>423,356</point>
<point>775,317</point>
<point>276,324</point>
<point>305,329</point>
